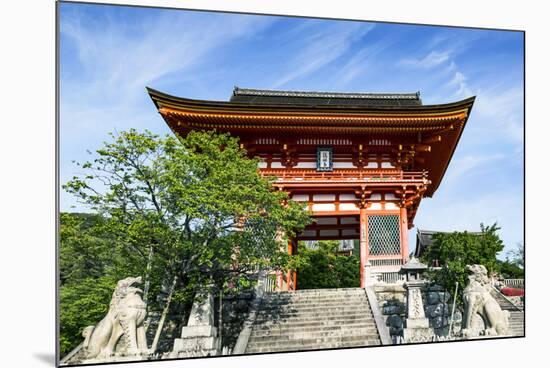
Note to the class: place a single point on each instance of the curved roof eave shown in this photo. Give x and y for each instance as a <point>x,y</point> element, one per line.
<point>175,101</point>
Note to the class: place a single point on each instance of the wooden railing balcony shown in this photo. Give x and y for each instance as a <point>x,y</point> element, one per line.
<point>379,175</point>
<point>514,283</point>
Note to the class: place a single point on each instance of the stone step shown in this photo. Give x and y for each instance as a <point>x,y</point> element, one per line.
<point>344,309</point>
<point>312,320</point>
<point>310,323</point>
<point>311,328</point>
<point>318,311</point>
<point>316,307</point>
<point>322,341</point>
<point>313,300</point>
<point>340,345</point>
<point>315,294</point>
<point>318,291</point>
<point>285,335</point>
<point>314,344</point>
<point>288,329</point>
<point>311,317</point>
<point>308,318</point>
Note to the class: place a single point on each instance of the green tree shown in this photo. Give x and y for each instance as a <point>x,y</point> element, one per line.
<point>323,268</point>
<point>83,303</point>
<point>185,211</point>
<point>510,270</point>
<point>513,266</point>
<point>517,256</point>
<point>456,250</point>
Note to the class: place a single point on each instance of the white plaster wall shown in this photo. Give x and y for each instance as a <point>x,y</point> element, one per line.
<point>375,206</point>
<point>343,165</point>
<point>391,206</point>
<point>300,197</point>
<point>348,197</point>
<point>323,207</point>
<point>324,197</point>
<point>306,165</point>
<point>348,207</point>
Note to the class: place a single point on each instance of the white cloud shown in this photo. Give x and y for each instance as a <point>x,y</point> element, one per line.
<point>361,63</point>
<point>321,47</point>
<point>458,79</point>
<point>119,60</point>
<point>431,60</point>
<point>103,85</point>
<point>464,168</point>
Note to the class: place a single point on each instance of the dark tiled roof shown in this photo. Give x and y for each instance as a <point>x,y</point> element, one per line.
<point>413,264</point>
<point>272,97</point>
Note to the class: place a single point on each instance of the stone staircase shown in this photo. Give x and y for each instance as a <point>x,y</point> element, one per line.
<point>517,317</point>
<point>313,319</point>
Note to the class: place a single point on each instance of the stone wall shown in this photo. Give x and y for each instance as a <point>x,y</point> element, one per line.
<point>171,330</point>
<point>392,304</point>
<point>437,307</point>
<point>235,311</point>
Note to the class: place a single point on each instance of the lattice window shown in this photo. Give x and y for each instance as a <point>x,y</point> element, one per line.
<point>384,235</point>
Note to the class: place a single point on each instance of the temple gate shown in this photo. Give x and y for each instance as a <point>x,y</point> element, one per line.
<point>361,162</point>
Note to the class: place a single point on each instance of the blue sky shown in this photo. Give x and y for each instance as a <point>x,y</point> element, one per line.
<point>109,54</point>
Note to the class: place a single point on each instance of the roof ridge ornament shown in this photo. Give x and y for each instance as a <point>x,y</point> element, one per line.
<point>287,93</point>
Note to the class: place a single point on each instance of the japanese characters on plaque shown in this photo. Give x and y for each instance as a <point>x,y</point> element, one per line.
<point>324,158</point>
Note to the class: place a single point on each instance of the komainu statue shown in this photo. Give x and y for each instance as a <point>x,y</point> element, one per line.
<point>478,299</point>
<point>126,315</point>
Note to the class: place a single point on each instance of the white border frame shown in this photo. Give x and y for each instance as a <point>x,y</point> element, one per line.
<point>28,179</point>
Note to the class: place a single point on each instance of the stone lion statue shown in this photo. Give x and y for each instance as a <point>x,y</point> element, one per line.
<point>126,315</point>
<point>478,299</point>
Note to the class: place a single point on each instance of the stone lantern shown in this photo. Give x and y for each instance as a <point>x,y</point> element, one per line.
<point>413,270</point>
<point>417,326</point>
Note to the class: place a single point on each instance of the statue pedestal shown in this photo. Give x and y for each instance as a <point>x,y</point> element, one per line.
<point>117,358</point>
<point>199,337</point>
<point>417,326</point>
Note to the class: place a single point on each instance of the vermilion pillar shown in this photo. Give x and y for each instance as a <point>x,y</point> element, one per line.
<point>294,273</point>
<point>404,234</point>
<point>363,244</point>
<point>289,276</point>
<point>279,274</point>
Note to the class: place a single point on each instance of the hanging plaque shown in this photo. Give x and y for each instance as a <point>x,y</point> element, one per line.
<point>324,158</point>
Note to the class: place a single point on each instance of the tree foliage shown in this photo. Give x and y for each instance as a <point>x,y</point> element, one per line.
<point>185,214</point>
<point>517,256</point>
<point>323,268</point>
<point>83,251</point>
<point>83,303</point>
<point>510,270</point>
<point>456,250</point>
